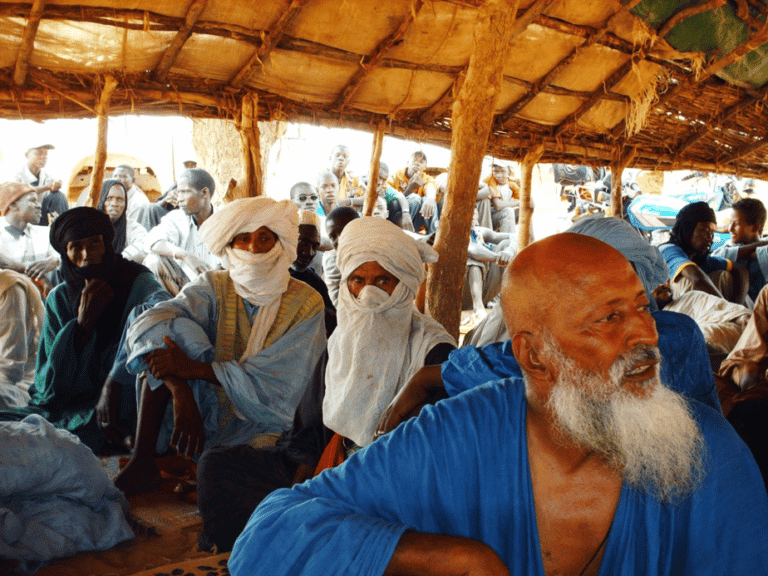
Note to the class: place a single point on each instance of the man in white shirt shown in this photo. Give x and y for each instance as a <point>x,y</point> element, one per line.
<point>176,253</point>
<point>47,187</point>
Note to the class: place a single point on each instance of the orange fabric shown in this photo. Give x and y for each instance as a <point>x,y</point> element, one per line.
<point>333,455</point>
<point>347,183</point>
<point>490,181</point>
<point>399,181</point>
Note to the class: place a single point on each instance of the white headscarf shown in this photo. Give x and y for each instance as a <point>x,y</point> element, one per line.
<point>260,279</point>
<point>381,340</point>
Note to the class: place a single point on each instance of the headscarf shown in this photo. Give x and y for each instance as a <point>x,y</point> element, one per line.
<point>10,192</point>
<point>118,242</point>
<point>647,260</point>
<point>261,279</point>
<point>685,224</point>
<point>381,340</point>
<point>84,222</point>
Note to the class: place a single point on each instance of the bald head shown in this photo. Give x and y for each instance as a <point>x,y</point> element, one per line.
<point>552,275</point>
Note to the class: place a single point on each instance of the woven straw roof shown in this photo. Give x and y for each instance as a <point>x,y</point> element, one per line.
<point>588,79</point>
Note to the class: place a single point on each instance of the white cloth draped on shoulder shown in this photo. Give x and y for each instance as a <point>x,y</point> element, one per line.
<point>381,340</point>
<point>260,279</point>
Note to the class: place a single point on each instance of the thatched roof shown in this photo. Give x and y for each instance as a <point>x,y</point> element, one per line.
<point>684,83</point>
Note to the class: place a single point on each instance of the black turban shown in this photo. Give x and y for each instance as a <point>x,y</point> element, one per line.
<point>78,224</point>
<point>685,224</point>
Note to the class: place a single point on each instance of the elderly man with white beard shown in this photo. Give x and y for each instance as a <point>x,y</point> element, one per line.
<point>502,480</point>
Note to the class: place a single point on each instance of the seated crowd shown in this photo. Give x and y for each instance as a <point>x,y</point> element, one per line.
<point>608,415</point>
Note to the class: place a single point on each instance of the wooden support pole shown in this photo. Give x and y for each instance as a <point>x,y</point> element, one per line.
<point>526,205</point>
<point>249,137</point>
<point>100,160</point>
<point>617,169</point>
<point>28,43</point>
<point>472,119</point>
<point>371,195</point>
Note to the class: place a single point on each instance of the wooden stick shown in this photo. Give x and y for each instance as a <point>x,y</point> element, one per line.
<point>28,43</point>
<point>687,13</point>
<point>526,205</point>
<point>617,169</point>
<point>172,52</point>
<point>272,38</point>
<point>371,195</point>
<point>100,159</point>
<point>249,137</point>
<point>472,119</point>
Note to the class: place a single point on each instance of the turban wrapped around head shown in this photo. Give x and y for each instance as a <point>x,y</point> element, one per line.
<point>378,240</point>
<point>647,260</point>
<point>10,192</point>
<point>77,224</point>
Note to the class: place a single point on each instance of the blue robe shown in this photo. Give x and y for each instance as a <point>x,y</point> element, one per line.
<point>685,366</point>
<point>349,519</point>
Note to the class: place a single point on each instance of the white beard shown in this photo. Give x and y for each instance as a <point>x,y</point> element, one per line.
<point>652,440</point>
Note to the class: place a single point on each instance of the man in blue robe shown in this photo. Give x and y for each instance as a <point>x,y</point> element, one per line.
<point>588,466</point>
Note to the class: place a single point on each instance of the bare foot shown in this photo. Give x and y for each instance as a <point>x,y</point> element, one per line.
<point>139,475</point>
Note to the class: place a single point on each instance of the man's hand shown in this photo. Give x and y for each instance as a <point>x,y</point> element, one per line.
<point>195,263</point>
<point>55,185</point>
<point>106,412</point>
<point>406,223</point>
<point>428,207</point>
<point>416,180</point>
<point>188,436</point>
<point>94,298</point>
<point>42,267</point>
<point>504,258</point>
<point>169,362</point>
<point>439,555</point>
<point>172,198</point>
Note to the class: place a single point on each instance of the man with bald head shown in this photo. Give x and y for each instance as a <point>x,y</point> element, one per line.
<point>587,465</point>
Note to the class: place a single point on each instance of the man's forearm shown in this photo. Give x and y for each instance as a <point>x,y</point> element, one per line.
<point>749,250</point>
<point>420,554</point>
<point>168,250</point>
<point>12,264</point>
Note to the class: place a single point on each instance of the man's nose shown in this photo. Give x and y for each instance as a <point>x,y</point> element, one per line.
<point>642,329</point>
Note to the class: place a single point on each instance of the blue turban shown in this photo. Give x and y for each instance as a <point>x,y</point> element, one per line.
<point>647,260</point>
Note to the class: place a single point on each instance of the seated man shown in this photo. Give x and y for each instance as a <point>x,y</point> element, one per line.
<point>398,209</point>
<point>348,184</point>
<point>150,215</point>
<point>52,199</point>
<point>306,250</point>
<point>21,319</point>
<point>690,264</point>
<point>588,465</point>
<point>176,252</point>
<point>487,253</point>
<point>24,246</point>
<point>334,225</point>
<point>505,197</point>
<point>421,192</point>
<point>233,352</point>
<point>745,246</point>
<point>137,199</point>
<point>129,234</point>
<point>84,320</point>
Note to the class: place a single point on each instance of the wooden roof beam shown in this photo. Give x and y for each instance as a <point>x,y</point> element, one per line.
<point>608,85</point>
<point>28,43</point>
<point>753,42</point>
<point>746,150</point>
<point>441,107</point>
<point>368,63</point>
<point>719,120</point>
<point>271,38</point>
<point>160,72</point>
<point>555,72</point>
<point>675,19</point>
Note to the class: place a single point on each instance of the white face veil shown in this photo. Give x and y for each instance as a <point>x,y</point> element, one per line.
<point>261,279</point>
<point>381,340</point>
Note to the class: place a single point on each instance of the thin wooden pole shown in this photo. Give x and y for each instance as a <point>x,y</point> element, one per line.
<point>471,125</point>
<point>617,169</point>
<point>100,160</point>
<point>371,195</point>
<point>526,205</point>
<point>28,43</point>
<point>249,136</point>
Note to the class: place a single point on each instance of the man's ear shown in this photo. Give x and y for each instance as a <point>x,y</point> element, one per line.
<point>525,351</point>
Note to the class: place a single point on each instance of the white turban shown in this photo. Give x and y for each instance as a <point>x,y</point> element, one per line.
<point>381,340</point>
<point>260,279</point>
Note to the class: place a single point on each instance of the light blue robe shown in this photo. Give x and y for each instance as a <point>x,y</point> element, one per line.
<point>265,389</point>
<point>461,468</point>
